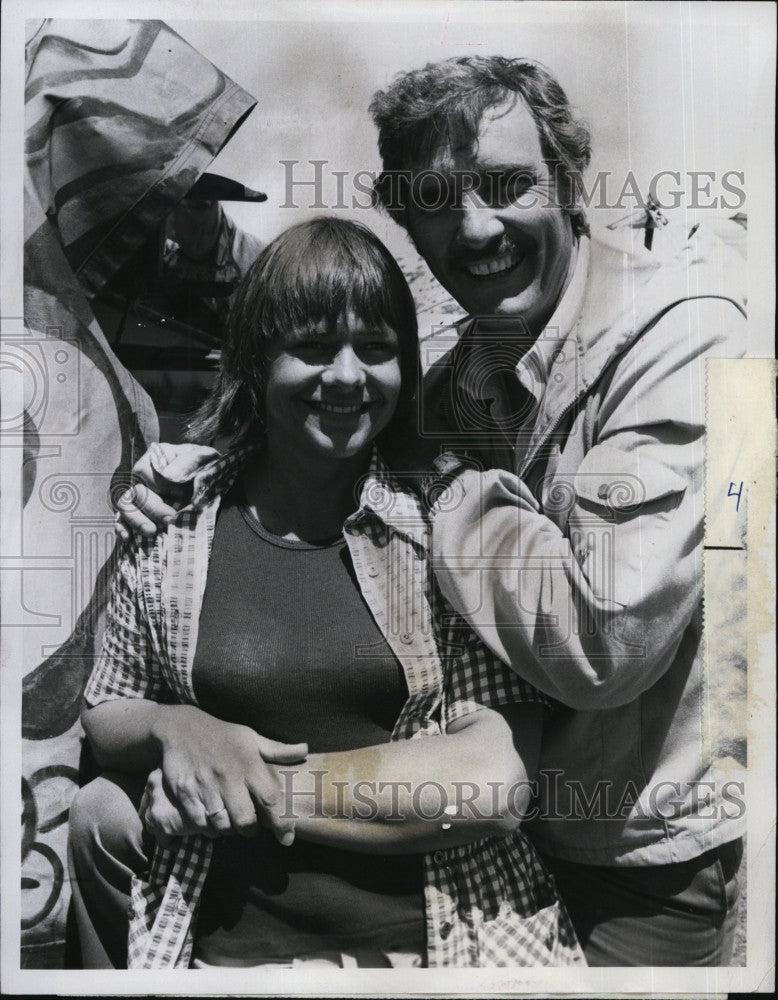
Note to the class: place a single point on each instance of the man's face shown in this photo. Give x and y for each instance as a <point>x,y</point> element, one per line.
<point>505,247</point>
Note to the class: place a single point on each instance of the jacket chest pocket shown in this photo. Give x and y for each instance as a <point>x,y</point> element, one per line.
<point>617,510</point>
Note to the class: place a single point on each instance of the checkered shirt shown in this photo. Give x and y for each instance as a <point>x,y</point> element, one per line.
<point>488,903</point>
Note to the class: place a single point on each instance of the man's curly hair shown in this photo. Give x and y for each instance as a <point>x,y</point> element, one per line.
<point>445,101</point>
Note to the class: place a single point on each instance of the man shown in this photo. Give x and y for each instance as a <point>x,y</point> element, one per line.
<point>578,384</point>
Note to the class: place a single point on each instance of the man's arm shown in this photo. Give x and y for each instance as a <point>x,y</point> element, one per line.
<point>593,613</point>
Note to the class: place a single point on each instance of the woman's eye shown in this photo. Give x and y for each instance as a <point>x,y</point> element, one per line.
<point>310,347</point>
<point>378,348</point>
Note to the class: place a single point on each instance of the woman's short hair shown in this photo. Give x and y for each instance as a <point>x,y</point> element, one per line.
<point>318,270</point>
<point>446,100</point>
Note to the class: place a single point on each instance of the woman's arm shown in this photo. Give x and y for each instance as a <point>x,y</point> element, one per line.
<point>208,765</point>
<point>134,724</point>
<point>422,794</point>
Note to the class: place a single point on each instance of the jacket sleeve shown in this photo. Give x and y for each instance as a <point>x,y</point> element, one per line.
<point>592,612</point>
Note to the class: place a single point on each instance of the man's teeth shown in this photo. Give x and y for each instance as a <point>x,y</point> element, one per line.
<point>331,408</point>
<point>494,266</point>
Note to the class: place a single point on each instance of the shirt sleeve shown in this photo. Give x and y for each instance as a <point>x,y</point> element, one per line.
<point>128,666</point>
<point>474,677</point>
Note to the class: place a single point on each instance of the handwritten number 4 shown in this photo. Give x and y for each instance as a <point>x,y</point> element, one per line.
<point>730,493</point>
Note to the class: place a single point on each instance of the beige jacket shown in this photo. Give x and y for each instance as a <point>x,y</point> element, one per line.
<point>582,565</point>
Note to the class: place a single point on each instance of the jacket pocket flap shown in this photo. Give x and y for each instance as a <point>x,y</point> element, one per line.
<point>623,481</point>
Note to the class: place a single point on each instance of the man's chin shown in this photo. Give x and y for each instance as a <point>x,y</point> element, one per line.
<point>507,299</point>
<point>505,307</point>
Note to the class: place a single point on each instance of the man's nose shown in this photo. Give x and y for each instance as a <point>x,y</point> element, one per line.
<point>479,223</point>
<point>346,370</point>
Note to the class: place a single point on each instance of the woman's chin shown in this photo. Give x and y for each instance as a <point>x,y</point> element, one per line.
<point>338,447</point>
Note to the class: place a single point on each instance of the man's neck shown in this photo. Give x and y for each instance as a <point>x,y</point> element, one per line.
<point>544,321</point>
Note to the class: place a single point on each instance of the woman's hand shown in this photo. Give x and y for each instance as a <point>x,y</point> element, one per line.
<point>216,775</point>
<point>162,816</point>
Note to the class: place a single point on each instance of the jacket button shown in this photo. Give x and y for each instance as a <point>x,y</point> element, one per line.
<point>372,571</point>
<point>602,492</point>
<point>438,857</point>
<point>407,638</point>
<point>445,929</point>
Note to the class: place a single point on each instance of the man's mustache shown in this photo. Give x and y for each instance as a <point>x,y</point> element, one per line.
<point>501,245</point>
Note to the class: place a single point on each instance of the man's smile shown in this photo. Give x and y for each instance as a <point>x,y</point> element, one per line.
<point>491,266</point>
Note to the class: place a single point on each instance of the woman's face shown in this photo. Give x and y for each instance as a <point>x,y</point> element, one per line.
<point>331,391</point>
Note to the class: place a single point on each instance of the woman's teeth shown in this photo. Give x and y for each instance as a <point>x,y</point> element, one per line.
<point>332,408</point>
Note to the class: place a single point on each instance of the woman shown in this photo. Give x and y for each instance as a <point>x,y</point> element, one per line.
<point>294,599</point>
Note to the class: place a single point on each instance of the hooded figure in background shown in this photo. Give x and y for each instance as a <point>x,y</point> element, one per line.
<point>122,118</point>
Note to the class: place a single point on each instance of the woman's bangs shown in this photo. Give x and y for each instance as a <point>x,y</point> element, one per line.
<point>330,277</point>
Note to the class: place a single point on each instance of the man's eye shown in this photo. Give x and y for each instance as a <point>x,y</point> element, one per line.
<point>502,187</point>
<point>513,186</point>
<point>434,197</point>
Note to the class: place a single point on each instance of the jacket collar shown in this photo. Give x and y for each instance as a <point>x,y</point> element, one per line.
<point>626,289</point>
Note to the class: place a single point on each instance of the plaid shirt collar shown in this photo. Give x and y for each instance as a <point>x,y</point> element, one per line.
<point>382,495</point>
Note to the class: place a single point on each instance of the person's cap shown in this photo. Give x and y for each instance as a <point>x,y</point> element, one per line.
<point>214,187</point>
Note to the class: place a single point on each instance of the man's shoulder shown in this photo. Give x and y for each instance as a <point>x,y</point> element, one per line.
<point>629,287</point>
<point>705,260</point>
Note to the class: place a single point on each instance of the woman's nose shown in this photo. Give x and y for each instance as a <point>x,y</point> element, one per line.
<point>346,370</point>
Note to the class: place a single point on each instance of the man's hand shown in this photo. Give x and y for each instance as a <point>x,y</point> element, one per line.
<point>216,778</point>
<point>162,479</point>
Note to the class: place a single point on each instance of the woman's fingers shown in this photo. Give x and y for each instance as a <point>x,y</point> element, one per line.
<point>218,818</point>
<point>216,803</point>
<point>240,810</point>
<point>215,773</point>
<point>159,814</point>
<point>281,753</point>
<point>271,806</point>
<point>188,796</point>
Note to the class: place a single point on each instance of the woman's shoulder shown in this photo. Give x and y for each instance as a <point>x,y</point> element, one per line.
<point>396,501</point>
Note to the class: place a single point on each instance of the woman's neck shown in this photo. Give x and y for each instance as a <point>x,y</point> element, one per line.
<point>296,498</point>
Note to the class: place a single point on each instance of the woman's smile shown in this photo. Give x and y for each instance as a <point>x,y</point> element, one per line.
<point>339,408</point>
<point>333,388</point>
